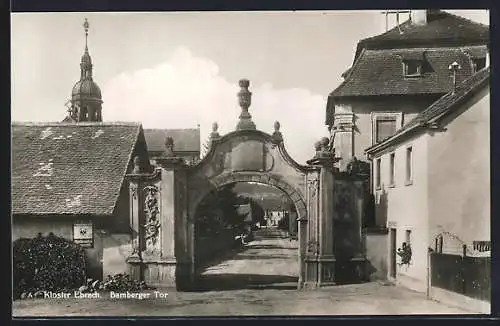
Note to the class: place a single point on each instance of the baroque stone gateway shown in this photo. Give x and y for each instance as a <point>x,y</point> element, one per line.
<point>163,215</point>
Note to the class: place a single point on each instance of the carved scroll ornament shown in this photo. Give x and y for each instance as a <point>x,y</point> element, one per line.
<point>313,186</point>
<point>152,210</point>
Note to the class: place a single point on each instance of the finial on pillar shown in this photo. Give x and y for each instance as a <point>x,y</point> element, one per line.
<point>324,144</point>
<point>317,146</point>
<point>169,146</point>
<point>215,133</point>
<point>323,155</point>
<point>277,136</point>
<point>245,100</point>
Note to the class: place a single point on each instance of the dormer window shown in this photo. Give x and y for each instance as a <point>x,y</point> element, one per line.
<point>413,62</point>
<point>478,63</point>
<point>412,68</point>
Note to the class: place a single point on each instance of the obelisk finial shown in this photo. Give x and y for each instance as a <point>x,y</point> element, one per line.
<point>245,100</point>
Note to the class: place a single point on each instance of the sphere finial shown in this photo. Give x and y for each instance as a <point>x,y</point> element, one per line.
<point>215,127</point>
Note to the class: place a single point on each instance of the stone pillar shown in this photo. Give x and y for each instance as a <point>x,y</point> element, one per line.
<point>326,226</point>
<point>312,231</point>
<point>320,260</point>
<point>302,234</point>
<point>158,218</point>
<point>134,259</point>
<point>169,269</point>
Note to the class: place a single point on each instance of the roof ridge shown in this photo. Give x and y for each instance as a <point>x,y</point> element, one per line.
<point>466,19</point>
<point>427,48</point>
<point>80,124</point>
<point>169,129</point>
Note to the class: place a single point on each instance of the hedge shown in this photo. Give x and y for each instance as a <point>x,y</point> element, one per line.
<point>48,263</point>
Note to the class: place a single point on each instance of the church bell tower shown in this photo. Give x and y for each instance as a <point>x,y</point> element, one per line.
<point>85,104</point>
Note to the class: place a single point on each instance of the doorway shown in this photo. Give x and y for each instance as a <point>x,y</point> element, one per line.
<point>393,253</point>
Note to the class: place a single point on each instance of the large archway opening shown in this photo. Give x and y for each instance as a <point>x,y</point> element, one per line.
<point>246,236</point>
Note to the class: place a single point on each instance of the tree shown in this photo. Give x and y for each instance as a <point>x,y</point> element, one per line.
<point>219,210</point>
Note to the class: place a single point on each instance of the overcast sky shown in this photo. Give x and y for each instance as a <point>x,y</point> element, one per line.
<point>180,69</point>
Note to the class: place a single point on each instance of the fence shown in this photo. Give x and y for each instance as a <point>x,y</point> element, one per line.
<point>469,276</point>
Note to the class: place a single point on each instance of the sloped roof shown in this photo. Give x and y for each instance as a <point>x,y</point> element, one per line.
<point>380,72</point>
<point>441,29</point>
<point>444,105</point>
<point>70,168</point>
<point>185,140</point>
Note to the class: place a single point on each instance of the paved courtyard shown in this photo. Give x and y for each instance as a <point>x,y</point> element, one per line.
<point>258,280</point>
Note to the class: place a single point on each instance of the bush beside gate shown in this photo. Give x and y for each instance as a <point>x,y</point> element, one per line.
<point>48,263</point>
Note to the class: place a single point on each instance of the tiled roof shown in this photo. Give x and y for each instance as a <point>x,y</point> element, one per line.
<point>185,140</point>
<point>442,106</point>
<point>380,72</point>
<point>441,29</point>
<point>69,168</point>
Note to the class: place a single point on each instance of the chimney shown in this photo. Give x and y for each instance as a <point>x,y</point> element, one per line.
<point>419,17</point>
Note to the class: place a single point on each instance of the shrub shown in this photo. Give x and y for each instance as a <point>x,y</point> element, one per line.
<point>47,263</point>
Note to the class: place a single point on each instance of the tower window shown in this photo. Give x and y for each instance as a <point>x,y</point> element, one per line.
<point>412,68</point>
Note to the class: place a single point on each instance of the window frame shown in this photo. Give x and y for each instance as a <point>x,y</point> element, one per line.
<point>418,64</point>
<point>408,236</point>
<point>392,169</point>
<point>474,63</point>
<point>376,116</point>
<point>378,176</point>
<point>409,165</point>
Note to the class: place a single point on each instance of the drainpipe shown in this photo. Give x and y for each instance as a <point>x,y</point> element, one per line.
<point>429,252</point>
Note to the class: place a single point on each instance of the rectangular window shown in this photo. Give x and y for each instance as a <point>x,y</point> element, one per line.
<point>377,173</point>
<point>409,172</point>
<point>391,168</point>
<point>412,68</point>
<point>385,127</point>
<point>408,237</point>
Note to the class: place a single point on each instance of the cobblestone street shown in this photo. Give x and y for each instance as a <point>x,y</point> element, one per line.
<point>258,280</point>
<point>270,261</point>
